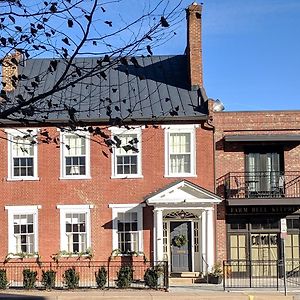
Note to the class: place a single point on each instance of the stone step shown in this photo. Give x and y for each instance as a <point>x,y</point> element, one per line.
<point>185,275</point>
<point>181,281</point>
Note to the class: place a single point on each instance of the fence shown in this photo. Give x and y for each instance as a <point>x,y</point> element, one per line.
<point>86,270</point>
<point>261,274</point>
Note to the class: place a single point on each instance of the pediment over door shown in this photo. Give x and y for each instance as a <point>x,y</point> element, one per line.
<point>183,194</point>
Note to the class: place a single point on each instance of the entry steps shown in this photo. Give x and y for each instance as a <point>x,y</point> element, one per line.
<point>186,278</point>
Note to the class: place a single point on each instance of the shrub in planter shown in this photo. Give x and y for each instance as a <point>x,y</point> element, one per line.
<point>215,276</point>
<point>125,277</point>
<point>151,278</point>
<point>101,277</point>
<point>3,279</point>
<point>48,279</point>
<point>29,278</point>
<point>71,278</point>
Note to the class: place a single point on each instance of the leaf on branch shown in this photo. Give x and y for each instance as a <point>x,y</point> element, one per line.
<point>33,31</point>
<point>12,19</point>
<point>109,23</point>
<point>70,23</point>
<point>102,8</point>
<point>106,58</point>
<point>124,61</point>
<point>19,28</point>
<point>135,62</point>
<point>117,108</point>
<point>40,26</point>
<point>14,61</point>
<point>53,7</point>
<point>148,37</point>
<point>164,22</point>
<point>149,50</point>
<point>88,17</point>
<point>66,41</point>
<point>103,75</point>
<point>114,90</point>
<point>94,43</point>
<point>105,154</point>
<point>53,65</point>
<point>3,41</point>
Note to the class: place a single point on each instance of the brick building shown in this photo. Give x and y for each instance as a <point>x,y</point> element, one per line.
<point>257,173</point>
<point>67,193</point>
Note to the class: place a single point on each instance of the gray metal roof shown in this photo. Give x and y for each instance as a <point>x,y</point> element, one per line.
<point>156,90</point>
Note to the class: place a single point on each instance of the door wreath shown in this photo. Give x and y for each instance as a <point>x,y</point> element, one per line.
<point>180,240</point>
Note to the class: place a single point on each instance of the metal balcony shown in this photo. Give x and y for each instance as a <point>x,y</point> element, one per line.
<point>259,185</point>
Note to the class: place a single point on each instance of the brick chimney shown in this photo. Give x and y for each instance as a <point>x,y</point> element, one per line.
<point>194,45</point>
<point>10,70</point>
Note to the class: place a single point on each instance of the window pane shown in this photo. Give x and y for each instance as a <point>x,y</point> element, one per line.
<point>75,223</point>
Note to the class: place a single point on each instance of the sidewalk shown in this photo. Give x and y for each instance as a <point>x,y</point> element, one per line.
<point>180,293</point>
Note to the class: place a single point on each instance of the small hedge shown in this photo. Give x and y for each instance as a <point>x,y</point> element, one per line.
<point>29,278</point>
<point>125,277</point>
<point>71,278</point>
<point>3,279</point>
<point>151,278</point>
<point>101,277</point>
<point>48,279</point>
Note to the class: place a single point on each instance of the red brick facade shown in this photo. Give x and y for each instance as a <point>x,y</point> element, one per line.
<point>229,157</point>
<point>101,190</point>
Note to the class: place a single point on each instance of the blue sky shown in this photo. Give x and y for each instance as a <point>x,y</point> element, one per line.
<point>251,52</point>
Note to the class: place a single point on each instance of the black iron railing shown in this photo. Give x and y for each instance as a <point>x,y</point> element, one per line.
<point>261,274</point>
<point>266,184</point>
<point>86,270</point>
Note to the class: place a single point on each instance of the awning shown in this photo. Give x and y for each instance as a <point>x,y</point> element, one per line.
<point>262,138</point>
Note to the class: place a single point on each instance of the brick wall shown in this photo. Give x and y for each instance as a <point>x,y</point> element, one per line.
<point>100,190</point>
<point>230,157</point>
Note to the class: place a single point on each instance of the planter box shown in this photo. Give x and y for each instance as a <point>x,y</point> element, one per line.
<point>214,279</point>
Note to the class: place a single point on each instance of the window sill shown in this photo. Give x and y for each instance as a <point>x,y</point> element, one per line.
<point>127,177</point>
<point>16,256</point>
<point>23,179</point>
<point>75,178</point>
<point>179,175</point>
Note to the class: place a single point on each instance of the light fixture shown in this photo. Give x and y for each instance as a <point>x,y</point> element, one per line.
<point>218,106</point>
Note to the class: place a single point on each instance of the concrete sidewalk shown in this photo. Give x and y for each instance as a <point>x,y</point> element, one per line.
<point>174,294</point>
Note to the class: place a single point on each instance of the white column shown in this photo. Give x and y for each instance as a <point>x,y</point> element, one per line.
<point>203,241</point>
<point>210,238</point>
<point>158,235</point>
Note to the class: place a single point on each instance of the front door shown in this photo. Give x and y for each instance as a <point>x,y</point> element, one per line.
<point>180,233</point>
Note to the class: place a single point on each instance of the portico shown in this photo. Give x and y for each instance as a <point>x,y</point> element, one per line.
<point>184,226</point>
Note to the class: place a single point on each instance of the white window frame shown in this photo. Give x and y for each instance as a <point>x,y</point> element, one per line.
<point>81,208</point>
<point>123,131</point>
<point>63,150</point>
<point>11,133</point>
<point>15,210</point>
<point>123,208</point>
<point>190,129</point>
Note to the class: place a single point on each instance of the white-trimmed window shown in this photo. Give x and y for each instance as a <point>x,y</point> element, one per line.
<point>180,151</point>
<point>127,227</point>
<point>75,228</point>
<point>22,154</point>
<point>75,155</point>
<point>23,229</point>
<point>126,158</point>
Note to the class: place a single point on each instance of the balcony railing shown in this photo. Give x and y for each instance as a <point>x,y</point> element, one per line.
<point>266,184</point>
